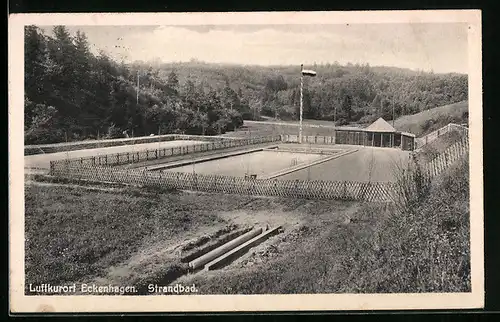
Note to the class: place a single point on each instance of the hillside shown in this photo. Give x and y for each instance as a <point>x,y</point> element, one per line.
<point>430,120</point>
<point>350,93</point>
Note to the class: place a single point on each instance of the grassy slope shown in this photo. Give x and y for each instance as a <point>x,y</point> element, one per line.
<point>423,250</point>
<point>430,120</point>
<point>73,234</point>
<point>438,146</point>
<point>258,129</point>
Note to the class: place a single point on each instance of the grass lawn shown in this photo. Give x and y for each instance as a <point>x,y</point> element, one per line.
<point>430,120</point>
<point>262,129</point>
<point>76,234</point>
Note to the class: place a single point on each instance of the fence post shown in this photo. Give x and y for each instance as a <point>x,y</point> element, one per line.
<point>106,159</point>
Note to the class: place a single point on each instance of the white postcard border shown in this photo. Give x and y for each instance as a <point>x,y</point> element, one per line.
<point>220,303</point>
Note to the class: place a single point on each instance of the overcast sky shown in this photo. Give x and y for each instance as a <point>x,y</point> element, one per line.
<point>438,47</point>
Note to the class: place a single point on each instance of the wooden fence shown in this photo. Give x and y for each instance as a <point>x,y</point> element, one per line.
<point>315,189</point>
<point>289,138</point>
<point>355,137</point>
<point>453,153</point>
<point>421,142</point>
<point>344,190</point>
<point>92,144</point>
<point>146,155</point>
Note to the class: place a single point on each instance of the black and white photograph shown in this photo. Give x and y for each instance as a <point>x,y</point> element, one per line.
<point>245,161</point>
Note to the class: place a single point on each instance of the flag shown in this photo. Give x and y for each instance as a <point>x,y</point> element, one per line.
<point>307,72</point>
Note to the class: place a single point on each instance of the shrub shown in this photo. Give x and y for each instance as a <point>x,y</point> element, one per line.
<point>412,185</point>
<point>425,246</point>
<point>113,132</point>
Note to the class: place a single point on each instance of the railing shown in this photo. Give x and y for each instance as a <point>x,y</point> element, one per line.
<point>421,142</point>
<point>290,138</point>
<point>453,153</point>
<point>344,190</point>
<point>83,169</point>
<point>92,144</point>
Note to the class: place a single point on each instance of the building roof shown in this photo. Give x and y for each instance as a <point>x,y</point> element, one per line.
<point>380,125</point>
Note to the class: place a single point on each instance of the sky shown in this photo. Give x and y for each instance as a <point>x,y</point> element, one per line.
<point>438,47</point>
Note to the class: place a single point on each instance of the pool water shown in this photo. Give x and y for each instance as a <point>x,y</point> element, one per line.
<point>259,163</point>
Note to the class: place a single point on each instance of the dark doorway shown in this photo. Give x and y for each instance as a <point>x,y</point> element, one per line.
<point>386,140</point>
<point>377,139</point>
<point>397,140</point>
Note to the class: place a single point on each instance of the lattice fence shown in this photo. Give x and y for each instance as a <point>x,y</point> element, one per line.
<point>91,144</point>
<point>329,190</point>
<point>344,190</point>
<point>421,142</point>
<point>453,153</point>
<point>318,139</point>
<point>146,155</point>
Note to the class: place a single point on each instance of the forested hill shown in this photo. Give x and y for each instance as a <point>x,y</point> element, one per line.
<point>72,94</point>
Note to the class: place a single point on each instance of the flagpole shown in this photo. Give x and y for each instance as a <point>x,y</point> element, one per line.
<point>301,97</point>
<point>137,87</point>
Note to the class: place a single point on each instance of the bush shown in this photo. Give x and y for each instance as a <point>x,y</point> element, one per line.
<point>412,185</point>
<point>43,135</point>
<point>367,119</point>
<point>341,122</point>
<point>425,248</point>
<point>39,124</point>
<point>113,132</point>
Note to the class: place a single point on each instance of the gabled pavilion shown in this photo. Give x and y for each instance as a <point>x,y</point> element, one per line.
<point>378,134</point>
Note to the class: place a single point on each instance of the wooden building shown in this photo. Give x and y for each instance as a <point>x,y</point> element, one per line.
<point>378,134</point>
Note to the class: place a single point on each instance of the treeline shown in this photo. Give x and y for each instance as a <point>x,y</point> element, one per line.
<point>351,93</point>
<point>359,93</point>
<point>72,94</point>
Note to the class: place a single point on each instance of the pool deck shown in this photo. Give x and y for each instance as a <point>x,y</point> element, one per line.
<point>306,165</point>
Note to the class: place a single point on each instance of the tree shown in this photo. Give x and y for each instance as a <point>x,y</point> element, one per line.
<point>173,81</point>
<point>35,66</point>
<point>347,107</point>
<point>39,125</point>
<point>229,98</point>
